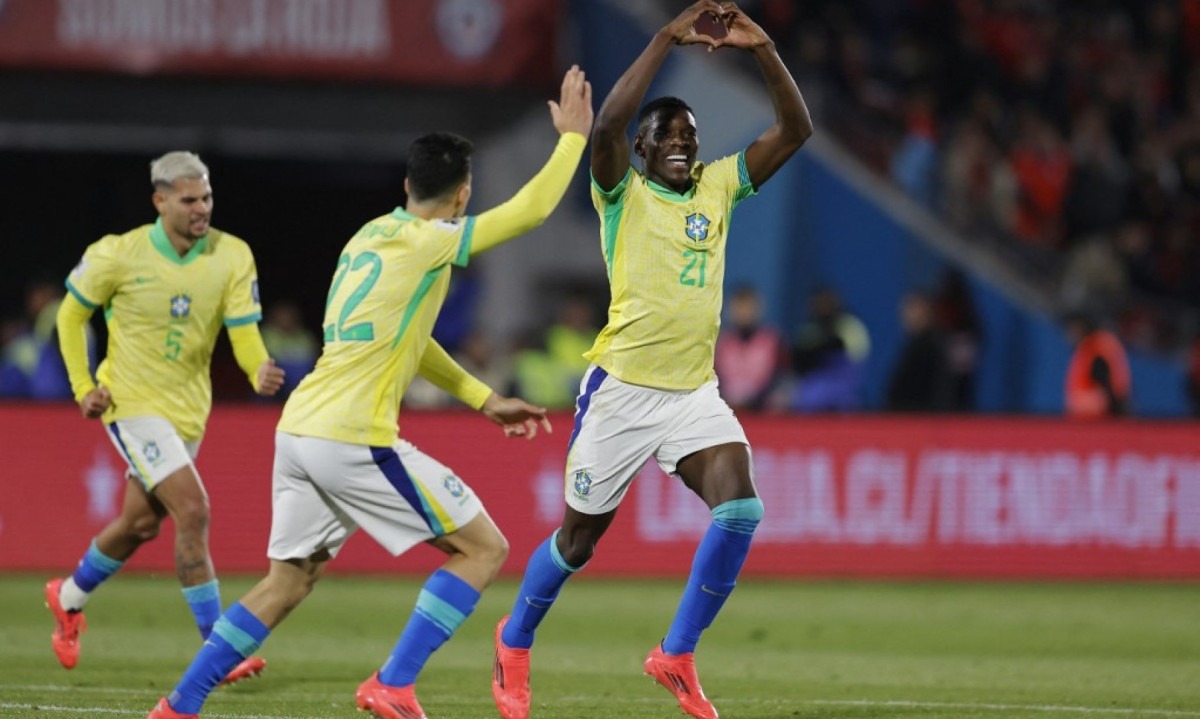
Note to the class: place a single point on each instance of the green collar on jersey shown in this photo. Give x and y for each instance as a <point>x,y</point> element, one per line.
<point>162,243</point>
<point>668,194</point>
<point>402,214</point>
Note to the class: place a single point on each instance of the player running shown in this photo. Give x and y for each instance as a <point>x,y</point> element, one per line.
<point>338,463</point>
<point>651,389</point>
<point>166,289</point>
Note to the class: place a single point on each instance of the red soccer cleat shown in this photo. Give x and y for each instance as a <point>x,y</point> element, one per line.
<point>249,668</point>
<point>388,702</point>
<point>67,626</point>
<point>510,678</point>
<point>678,674</point>
<point>163,710</point>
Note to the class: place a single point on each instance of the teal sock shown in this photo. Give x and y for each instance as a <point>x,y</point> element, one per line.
<point>718,561</point>
<point>235,636</point>
<point>444,604</point>
<point>205,602</point>
<point>94,568</point>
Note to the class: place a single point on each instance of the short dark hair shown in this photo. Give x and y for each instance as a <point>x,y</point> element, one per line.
<point>662,104</point>
<point>437,163</point>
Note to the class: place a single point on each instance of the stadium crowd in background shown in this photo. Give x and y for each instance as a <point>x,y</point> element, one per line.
<point>1064,134</point>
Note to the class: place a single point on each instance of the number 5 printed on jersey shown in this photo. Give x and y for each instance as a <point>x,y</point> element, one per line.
<point>368,266</point>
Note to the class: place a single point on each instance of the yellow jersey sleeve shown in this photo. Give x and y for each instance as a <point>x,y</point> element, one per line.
<point>534,202</point>
<point>439,367</point>
<point>241,303</point>
<point>95,279</point>
<point>72,343</point>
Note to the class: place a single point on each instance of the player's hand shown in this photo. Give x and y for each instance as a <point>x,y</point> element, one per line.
<point>516,416</point>
<point>270,378</point>
<point>680,29</point>
<point>742,32</point>
<point>96,402</point>
<point>573,111</point>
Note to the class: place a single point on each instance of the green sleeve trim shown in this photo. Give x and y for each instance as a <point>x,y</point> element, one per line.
<point>79,296</point>
<point>615,193</point>
<point>464,243</point>
<point>612,224</point>
<point>745,186</point>
<point>239,321</point>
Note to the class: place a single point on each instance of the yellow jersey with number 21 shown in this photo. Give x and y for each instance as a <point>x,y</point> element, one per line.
<point>665,253</point>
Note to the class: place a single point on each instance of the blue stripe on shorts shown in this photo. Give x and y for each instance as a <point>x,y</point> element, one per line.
<point>585,400</point>
<point>389,463</point>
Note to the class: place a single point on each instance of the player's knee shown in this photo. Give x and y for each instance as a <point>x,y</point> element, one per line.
<point>192,516</point>
<point>739,515</point>
<point>144,529</point>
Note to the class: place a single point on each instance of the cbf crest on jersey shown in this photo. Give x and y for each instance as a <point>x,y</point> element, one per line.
<point>181,306</point>
<point>697,227</point>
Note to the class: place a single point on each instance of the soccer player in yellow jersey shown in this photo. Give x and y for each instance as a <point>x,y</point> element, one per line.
<point>338,463</point>
<point>166,289</point>
<point>651,389</point>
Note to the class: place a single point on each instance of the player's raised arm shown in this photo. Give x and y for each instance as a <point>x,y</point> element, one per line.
<point>533,203</point>
<point>610,146</point>
<point>792,125</point>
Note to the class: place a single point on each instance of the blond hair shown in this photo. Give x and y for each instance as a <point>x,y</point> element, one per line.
<point>175,166</point>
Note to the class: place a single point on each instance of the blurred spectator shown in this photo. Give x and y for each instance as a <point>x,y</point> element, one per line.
<point>827,357</point>
<point>30,363</point>
<point>750,357</point>
<point>920,380</point>
<point>572,335</point>
<point>549,365</point>
<point>294,347</point>
<point>955,315</point>
<point>915,160</point>
<point>1042,167</point>
<point>1098,382</point>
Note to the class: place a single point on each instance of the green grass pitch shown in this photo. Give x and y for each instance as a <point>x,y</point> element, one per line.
<point>781,649</point>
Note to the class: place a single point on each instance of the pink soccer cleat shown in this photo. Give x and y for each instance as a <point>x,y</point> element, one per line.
<point>67,626</point>
<point>163,710</point>
<point>678,674</point>
<point>510,678</point>
<point>388,702</point>
<point>248,668</point>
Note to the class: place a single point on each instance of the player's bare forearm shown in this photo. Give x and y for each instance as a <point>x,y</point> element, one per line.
<point>610,147</point>
<point>793,124</point>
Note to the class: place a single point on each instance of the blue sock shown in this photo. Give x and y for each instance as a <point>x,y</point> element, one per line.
<point>205,602</point>
<point>236,635</point>
<point>545,575</point>
<point>94,568</point>
<point>718,561</point>
<point>444,604</point>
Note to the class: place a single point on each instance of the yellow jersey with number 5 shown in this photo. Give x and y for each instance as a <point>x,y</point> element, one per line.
<point>665,254</point>
<point>164,313</point>
<point>388,287</point>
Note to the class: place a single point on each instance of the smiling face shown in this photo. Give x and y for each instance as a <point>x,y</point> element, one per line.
<point>667,143</point>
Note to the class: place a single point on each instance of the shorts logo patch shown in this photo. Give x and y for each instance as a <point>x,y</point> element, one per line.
<point>151,452</point>
<point>697,227</point>
<point>181,306</point>
<point>454,486</point>
<point>582,484</point>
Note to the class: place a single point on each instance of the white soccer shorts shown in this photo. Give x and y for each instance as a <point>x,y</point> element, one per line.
<point>323,491</point>
<point>152,448</point>
<point>618,426</point>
